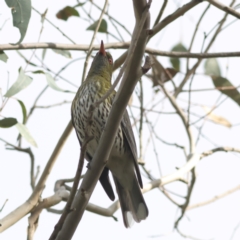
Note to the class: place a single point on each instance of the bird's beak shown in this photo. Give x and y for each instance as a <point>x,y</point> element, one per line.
<point>102,50</point>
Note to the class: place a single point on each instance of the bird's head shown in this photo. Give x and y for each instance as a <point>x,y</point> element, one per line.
<point>102,64</point>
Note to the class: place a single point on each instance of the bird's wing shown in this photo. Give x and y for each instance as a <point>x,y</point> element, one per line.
<point>128,134</point>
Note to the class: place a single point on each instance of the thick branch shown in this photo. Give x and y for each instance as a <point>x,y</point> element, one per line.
<point>123,45</point>
<point>131,76</point>
<point>224,8</point>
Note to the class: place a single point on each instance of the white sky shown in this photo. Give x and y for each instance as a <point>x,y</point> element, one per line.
<point>216,174</point>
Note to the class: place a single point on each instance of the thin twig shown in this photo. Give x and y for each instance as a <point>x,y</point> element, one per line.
<point>92,40</point>
<point>215,198</point>
<point>54,26</point>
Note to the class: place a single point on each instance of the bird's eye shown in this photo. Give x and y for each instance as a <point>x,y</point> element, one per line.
<point>110,60</point>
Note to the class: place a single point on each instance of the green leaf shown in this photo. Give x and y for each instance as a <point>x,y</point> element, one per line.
<point>3,56</point>
<point>38,72</point>
<point>220,82</point>
<point>52,83</point>
<point>24,111</point>
<point>22,82</point>
<point>21,12</point>
<point>79,4</point>
<point>64,53</point>
<point>67,12</point>
<point>211,67</point>
<point>176,61</point>
<point>102,28</point>
<point>23,130</point>
<point>44,51</point>
<point>8,122</point>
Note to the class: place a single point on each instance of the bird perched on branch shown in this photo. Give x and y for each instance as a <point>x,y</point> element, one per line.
<point>122,161</point>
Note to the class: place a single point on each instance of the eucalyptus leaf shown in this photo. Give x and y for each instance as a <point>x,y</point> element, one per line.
<point>232,92</point>
<point>79,4</point>
<point>67,12</point>
<point>21,13</point>
<point>102,28</point>
<point>52,83</point>
<point>38,72</point>
<point>24,111</point>
<point>44,51</point>
<point>176,61</point>
<point>23,130</point>
<point>211,67</point>
<point>8,122</point>
<point>3,56</point>
<point>216,119</point>
<point>64,53</point>
<point>22,82</point>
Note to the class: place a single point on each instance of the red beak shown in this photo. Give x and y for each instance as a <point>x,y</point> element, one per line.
<point>102,50</point>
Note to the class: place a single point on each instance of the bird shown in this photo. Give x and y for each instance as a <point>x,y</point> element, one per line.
<point>122,162</point>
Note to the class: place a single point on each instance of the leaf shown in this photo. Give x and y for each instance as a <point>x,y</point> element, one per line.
<point>160,73</point>
<point>102,27</point>
<point>26,134</point>
<point>21,12</point>
<point>217,119</point>
<point>211,67</point>
<point>8,122</point>
<point>44,51</point>
<point>3,56</point>
<point>52,83</point>
<point>237,6</point>
<point>232,92</point>
<point>22,82</point>
<point>176,61</point>
<point>64,53</point>
<point>67,12</point>
<point>80,4</point>
<point>38,72</point>
<point>24,111</point>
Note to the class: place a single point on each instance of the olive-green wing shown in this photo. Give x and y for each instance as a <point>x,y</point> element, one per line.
<point>128,134</point>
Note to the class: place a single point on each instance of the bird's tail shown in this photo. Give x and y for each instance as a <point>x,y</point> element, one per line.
<point>132,203</point>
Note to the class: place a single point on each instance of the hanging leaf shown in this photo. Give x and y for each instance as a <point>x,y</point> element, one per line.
<point>44,51</point>
<point>21,13</point>
<point>23,130</point>
<point>8,122</point>
<point>24,111</point>
<point>22,82</point>
<point>3,56</point>
<point>237,6</point>
<point>64,53</point>
<point>25,59</point>
<point>67,12</point>
<point>211,67</point>
<point>160,73</point>
<point>176,61</point>
<point>102,27</point>
<point>216,119</point>
<point>226,87</point>
<point>52,83</point>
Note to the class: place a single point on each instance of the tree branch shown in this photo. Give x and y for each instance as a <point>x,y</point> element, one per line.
<point>224,8</point>
<point>130,78</point>
<point>26,207</point>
